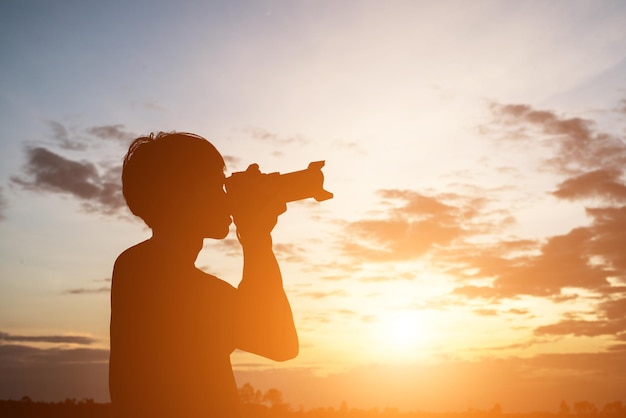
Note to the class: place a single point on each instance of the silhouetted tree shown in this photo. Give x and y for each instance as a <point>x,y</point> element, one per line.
<point>496,410</point>
<point>249,395</point>
<point>564,408</point>
<point>273,397</point>
<point>585,407</point>
<point>614,408</point>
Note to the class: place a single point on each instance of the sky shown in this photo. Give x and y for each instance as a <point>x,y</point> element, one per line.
<point>473,252</point>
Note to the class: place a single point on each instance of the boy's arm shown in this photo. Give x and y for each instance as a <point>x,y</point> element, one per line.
<point>264,319</point>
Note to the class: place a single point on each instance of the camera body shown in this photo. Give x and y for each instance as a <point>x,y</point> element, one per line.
<point>287,187</point>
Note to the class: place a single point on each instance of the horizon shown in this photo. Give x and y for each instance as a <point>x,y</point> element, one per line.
<point>255,402</point>
<point>476,154</point>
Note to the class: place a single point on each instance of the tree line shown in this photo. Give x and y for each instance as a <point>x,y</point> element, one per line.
<point>270,404</point>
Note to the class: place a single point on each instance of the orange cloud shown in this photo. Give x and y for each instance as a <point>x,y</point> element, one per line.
<point>603,183</point>
<point>578,145</point>
<point>412,225</point>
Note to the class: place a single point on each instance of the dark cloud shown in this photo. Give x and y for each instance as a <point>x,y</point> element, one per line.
<point>92,290</point>
<point>601,183</point>
<point>116,132</point>
<point>50,172</point>
<point>587,257</point>
<point>68,139</point>
<point>3,204</point>
<point>23,354</point>
<point>457,231</point>
<point>232,161</point>
<point>609,239</point>
<point>610,320</point>
<point>88,290</point>
<point>58,339</point>
<point>12,354</point>
<point>578,146</point>
<point>562,262</point>
<point>53,374</point>
<point>593,163</point>
<point>583,328</point>
<point>61,135</point>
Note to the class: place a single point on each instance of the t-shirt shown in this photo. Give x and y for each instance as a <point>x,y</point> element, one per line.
<point>172,333</point>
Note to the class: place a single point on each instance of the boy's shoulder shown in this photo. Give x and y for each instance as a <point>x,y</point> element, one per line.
<point>142,257</point>
<point>132,254</point>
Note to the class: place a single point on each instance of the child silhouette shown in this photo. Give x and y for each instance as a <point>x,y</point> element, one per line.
<point>173,327</point>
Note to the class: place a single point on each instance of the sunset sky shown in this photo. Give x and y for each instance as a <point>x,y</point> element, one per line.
<point>475,249</point>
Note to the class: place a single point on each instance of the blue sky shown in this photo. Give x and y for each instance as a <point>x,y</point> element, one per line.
<point>474,149</point>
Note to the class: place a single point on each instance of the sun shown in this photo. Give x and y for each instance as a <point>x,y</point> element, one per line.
<point>404,333</point>
<point>403,330</point>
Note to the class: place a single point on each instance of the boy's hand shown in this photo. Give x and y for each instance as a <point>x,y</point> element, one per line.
<point>255,211</point>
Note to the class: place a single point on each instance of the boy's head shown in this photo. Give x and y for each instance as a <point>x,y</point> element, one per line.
<point>174,180</point>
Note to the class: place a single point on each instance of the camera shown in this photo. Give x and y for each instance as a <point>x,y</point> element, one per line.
<point>287,187</point>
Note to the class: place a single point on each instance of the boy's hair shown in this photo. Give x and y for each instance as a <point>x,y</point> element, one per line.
<point>157,168</point>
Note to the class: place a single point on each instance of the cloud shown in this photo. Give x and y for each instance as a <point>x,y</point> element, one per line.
<point>563,262</point>
<point>611,320</point>
<point>68,139</point>
<point>609,240</point>
<point>411,225</point>
<point>602,183</point>
<point>322,295</point>
<point>53,374</point>
<point>582,328</point>
<point>149,105</point>
<point>459,233</point>
<point>588,257</point>
<point>47,171</point>
<point>486,312</point>
<point>386,278</point>
<point>578,146</point>
<point>3,204</point>
<point>16,354</point>
<point>232,161</point>
<point>352,146</point>
<point>91,290</point>
<point>264,135</point>
<point>116,132</point>
<point>66,339</point>
<point>61,136</point>
<point>88,290</point>
<point>289,252</point>
<point>593,163</point>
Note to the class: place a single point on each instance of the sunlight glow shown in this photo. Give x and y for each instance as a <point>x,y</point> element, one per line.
<point>404,334</point>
